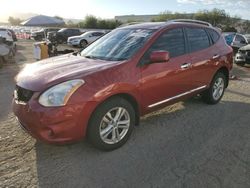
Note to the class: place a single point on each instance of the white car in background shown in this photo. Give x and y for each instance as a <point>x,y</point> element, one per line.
<point>5,33</point>
<point>84,39</point>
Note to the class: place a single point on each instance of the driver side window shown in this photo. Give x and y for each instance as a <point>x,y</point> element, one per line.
<point>172,41</point>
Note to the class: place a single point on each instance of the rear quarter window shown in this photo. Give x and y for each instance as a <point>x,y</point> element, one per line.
<point>214,35</point>
<point>197,38</point>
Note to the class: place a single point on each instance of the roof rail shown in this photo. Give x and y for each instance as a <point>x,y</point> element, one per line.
<point>130,23</point>
<point>191,21</point>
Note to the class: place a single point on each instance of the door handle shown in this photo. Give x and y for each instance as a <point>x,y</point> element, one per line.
<point>185,65</point>
<point>216,56</point>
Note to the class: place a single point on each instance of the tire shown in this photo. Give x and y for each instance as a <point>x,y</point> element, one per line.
<point>104,127</point>
<point>10,58</point>
<point>218,84</point>
<point>1,62</point>
<point>83,43</point>
<point>240,63</point>
<point>60,40</point>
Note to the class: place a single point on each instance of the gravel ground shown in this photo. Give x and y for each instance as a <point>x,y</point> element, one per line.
<point>189,144</point>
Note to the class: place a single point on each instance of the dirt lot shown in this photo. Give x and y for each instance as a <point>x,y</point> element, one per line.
<point>189,144</point>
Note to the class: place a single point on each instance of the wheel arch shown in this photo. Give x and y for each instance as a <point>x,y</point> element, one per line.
<point>128,97</point>
<point>84,40</point>
<point>225,71</point>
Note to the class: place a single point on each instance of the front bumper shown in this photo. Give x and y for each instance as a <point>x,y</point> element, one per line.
<point>57,125</point>
<point>242,58</point>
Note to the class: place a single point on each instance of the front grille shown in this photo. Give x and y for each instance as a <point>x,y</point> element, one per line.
<point>22,95</point>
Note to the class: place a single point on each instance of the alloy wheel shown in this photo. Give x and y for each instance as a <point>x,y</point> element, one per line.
<point>218,88</point>
<point>114,125</point>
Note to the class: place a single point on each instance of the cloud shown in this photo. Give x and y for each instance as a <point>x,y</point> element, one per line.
<point>241,3</point>
<point>234,7</point>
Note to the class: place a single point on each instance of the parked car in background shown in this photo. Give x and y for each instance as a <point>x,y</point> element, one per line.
<point>41,34</point>
<point>247,36</point>
<point>239,41</point>
<point>101,92</point>
<point>50,35</point>
<point>7,50</point>
<point>84,39</point>
<point>243,55</point>
<point>13,34</point>
<point>62,35</point>
<point>6,33</point>
<point>229,36</point>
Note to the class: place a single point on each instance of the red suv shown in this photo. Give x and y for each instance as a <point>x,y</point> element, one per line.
<point>101,92</point>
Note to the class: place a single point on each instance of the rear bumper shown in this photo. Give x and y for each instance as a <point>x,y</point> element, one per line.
<point>56,125</point>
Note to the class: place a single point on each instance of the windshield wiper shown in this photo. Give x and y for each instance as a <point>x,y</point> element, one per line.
<point>90,57</point>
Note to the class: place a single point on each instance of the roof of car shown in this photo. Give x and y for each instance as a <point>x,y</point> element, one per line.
<point>158,25</point>
<point>144,25</point>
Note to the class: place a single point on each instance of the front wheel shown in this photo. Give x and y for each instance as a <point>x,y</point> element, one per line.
<point>111,124</point>
<point>83,44</point>
<point>214,94</point>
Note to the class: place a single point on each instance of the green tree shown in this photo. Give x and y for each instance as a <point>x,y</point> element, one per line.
<point>246,26</point>
<point>216,17</point>
<point>58,17</point>
<point>91,22</point>
<point>168,15</point>
<point>14,21</point>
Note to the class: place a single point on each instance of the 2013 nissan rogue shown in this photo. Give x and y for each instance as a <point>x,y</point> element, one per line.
<point>101,92</point>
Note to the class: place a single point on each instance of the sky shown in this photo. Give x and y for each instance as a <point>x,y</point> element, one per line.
<point>78,9</point>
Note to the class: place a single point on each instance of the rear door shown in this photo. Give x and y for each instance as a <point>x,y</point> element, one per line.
<point>203,55</point>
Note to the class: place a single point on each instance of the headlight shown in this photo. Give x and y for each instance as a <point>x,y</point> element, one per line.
<point>59,95</point>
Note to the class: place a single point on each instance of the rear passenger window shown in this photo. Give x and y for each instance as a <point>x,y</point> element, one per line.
<point>197,38</point>
<point>239,38</point>
<point>97,34</point>
<point>214,35</point>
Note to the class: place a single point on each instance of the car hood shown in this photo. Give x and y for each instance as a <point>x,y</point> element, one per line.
<point>247,47</point>
<point>37,32</point>
<point>43,74</point>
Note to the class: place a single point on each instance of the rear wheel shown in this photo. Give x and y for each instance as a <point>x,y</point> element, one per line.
<point>60,40</point>
<point>214,94</point>
<point>1,62</point>
<point>111,124</point>
<point>240,63</point>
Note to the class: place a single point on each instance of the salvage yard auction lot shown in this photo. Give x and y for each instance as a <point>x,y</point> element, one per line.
<point>188,144</point>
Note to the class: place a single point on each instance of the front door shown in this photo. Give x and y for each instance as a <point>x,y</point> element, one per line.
<point>166,81</point>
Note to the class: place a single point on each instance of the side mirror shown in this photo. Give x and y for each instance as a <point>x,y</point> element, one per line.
<point>159,57</point>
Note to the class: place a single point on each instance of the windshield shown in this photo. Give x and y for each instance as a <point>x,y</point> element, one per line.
<point>62,30</point>
<point>248,38</point>
<point>118,45</point>
<point>84,34</point>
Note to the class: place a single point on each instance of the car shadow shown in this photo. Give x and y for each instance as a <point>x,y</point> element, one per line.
<point>168,148</point>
